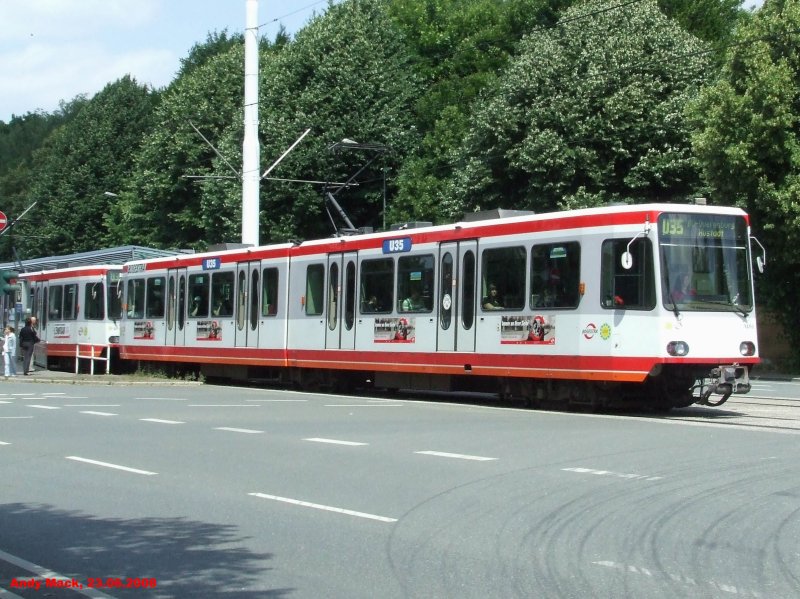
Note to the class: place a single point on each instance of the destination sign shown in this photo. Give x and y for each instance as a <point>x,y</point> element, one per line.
<point>396,246</point>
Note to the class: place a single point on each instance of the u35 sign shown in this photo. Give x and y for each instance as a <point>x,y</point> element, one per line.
<point>397,246</point>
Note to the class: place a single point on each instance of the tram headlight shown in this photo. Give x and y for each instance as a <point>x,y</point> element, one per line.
<point>677,348</point>
<point>113,339</point>
<point>747,348</point>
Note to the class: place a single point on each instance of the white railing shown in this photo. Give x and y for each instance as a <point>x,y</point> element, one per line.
<point>91,356</point>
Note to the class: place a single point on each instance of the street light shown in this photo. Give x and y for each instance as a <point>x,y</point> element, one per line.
<point>377,149</point>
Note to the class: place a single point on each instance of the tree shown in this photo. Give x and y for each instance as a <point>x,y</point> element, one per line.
<point>748,140</point>
<point>88,155</point>
<point>590,111</point>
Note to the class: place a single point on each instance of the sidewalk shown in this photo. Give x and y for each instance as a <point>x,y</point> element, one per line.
<point>40,375</point>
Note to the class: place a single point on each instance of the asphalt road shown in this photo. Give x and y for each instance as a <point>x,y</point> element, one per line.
<point>203,491</point>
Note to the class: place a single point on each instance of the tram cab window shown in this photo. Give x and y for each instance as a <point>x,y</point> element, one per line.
<point>155,297</point>
<point>269,292</point>
<point>555,275</point>
<point>114,299</point>
<point>93,300</point>
<point>134,298</point>
<point>632,288</point>
<point>315,289</point>
<point>503,279</point>
<point>377,286</point>
<point>415,284</point>
<point>222,293</point>
<point>198,295</point>
<point>70,302</point>
<point>56,300</point>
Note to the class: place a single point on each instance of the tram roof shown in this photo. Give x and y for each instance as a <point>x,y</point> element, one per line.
<point>115,255</point>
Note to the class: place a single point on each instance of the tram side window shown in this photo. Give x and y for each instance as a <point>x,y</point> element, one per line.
<point>415,284</point>
<point>503,278</point>
<point>632,288</point>
<point>315,289</point>
<point>155,297</point>
<point>555,275</point>
<point>135,298</point>
<point>93,300</point>
<point>198,294</point>
<point>56,299</point>
<point>114,303</point>
<point>377,286</point>
<point>269,292</point>
<point>70,302</point>
<point>222,293</point>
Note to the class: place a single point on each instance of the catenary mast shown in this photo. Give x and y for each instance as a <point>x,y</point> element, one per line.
<point>251,153</point>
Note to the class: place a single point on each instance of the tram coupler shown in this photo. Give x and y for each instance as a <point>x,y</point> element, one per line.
<point>724,381</point>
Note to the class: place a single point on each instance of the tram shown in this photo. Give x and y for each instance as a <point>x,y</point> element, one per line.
<point>78,311</point>
<point>653,302</point>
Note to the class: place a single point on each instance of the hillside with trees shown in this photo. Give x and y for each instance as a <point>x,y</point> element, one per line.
<point>520,104</point>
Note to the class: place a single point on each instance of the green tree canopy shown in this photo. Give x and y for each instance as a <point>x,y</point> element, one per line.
<point>748,140</point>
<point>590,111</point>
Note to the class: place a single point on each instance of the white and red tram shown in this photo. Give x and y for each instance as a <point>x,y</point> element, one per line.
<point>583,306</point>
<point>78,311</point>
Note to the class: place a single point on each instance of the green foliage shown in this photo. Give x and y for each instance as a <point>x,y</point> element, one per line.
<point>748,140</point>
<point>88,155</point>
<point>589,111</point>
<point>460,47</point>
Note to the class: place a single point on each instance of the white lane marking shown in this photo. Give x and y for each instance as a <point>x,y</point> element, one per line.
<point>160,421</point>
<point>4,443</point>
<point>93,413</point>
<point>363,405</point>
<point>164,398</point>
<point>3,401</point>
<point>15,417</point>
<point>614,474</point>
<point>326,508</point>
<point>33,405</point>
<point>221,405</point>
<point>726,588</point>
<point>91,405</point>
<point>22,394</point>
<point>460,456</point>
<point>45,573</point>
<point>46,394</point>
<point>277,400</point>
<point>334,441</point>
<point>108,465</point>
<point>237,430</point>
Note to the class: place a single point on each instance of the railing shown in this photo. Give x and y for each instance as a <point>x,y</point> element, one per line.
<point>91,356</point>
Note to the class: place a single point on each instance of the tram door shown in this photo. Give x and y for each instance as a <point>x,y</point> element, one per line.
<point>456,299</point>
<point>247,316</point>
<point>176,307</point>
<point>340,330</point>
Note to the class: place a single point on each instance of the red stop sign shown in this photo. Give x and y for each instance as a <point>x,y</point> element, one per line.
<point>3,220</point>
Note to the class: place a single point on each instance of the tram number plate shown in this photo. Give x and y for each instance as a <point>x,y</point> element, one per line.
<point>211,263</point>
<point>396,246</point>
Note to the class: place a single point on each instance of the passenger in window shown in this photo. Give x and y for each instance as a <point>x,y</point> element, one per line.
<point>221,307</point>
<point>492,301</point>
<point>414,302</point>
<point>683,289</point>
<point>371,305</point>
<point>196,306</point>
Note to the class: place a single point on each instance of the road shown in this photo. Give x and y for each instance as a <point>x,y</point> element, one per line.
<point>207,491</point>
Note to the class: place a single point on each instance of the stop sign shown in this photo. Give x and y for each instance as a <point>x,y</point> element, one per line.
<point>3,220</point>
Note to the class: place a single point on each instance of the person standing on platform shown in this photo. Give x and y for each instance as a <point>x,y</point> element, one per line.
<point>10,352</point>
<point>27,339</point>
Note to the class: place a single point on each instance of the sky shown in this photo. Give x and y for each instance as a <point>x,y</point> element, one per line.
<point>54,50</point>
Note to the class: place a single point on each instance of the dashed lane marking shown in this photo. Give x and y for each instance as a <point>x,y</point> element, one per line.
<point>334,441</point>
<point>40,407</point>
<point>459,456</point>
<point>160,421</point>
<point>109,465</point>
<point>326,508</point>
<point>614,474</point>
<point>238,430</point>
<point>93,413</point>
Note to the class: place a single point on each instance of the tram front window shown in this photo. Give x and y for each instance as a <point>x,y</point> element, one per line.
<point>704,262</point>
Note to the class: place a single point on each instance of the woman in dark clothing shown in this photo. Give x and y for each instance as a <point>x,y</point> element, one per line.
<point>27,339</point>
